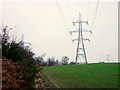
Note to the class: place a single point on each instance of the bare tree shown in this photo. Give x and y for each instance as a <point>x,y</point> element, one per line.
<point>57,62</point>
<point>65,60</point>
<point>40,60</point>
<point>51,61</point>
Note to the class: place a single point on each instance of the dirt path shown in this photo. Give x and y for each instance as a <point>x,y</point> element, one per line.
<point>43,82</point>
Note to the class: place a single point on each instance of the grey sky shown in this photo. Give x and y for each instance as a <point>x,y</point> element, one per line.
<point>42,25</point>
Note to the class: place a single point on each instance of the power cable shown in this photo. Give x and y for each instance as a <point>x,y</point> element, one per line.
<point>62,17</point>
<point>96,9</point>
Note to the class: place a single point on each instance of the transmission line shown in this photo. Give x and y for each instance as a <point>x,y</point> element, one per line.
<point>62,17</point>
<point>96,9</point>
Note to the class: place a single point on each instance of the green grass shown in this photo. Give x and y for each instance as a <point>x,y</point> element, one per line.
<point>83,76</point>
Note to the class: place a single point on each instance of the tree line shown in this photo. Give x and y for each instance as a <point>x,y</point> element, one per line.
<point>51,61</point>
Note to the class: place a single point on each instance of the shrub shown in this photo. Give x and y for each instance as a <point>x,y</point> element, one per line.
<point>16,52</point>
<point>30,72</point>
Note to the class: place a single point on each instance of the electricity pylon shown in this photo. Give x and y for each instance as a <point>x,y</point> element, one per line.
<point>23,42</point>
<point>108,58</point>
<point>23,39</point>
<point>80,45</point>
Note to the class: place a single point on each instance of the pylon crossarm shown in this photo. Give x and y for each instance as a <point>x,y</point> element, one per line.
<point>87,39</point>
<point>75,22</point>
<point>74,40</point>
<point>84,22</point>
<point>73,31</point>
<point>86,30</point>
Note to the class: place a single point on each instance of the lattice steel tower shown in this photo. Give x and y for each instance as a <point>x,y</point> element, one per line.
<point>80,45</point>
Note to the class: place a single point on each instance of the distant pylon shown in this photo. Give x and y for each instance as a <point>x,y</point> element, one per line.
<point>108,58</point>
<point>80,45</point>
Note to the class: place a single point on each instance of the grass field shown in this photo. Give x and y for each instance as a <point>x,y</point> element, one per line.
<point>83,76</point>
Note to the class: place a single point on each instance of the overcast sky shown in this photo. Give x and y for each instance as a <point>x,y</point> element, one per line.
<point>46,26</point>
